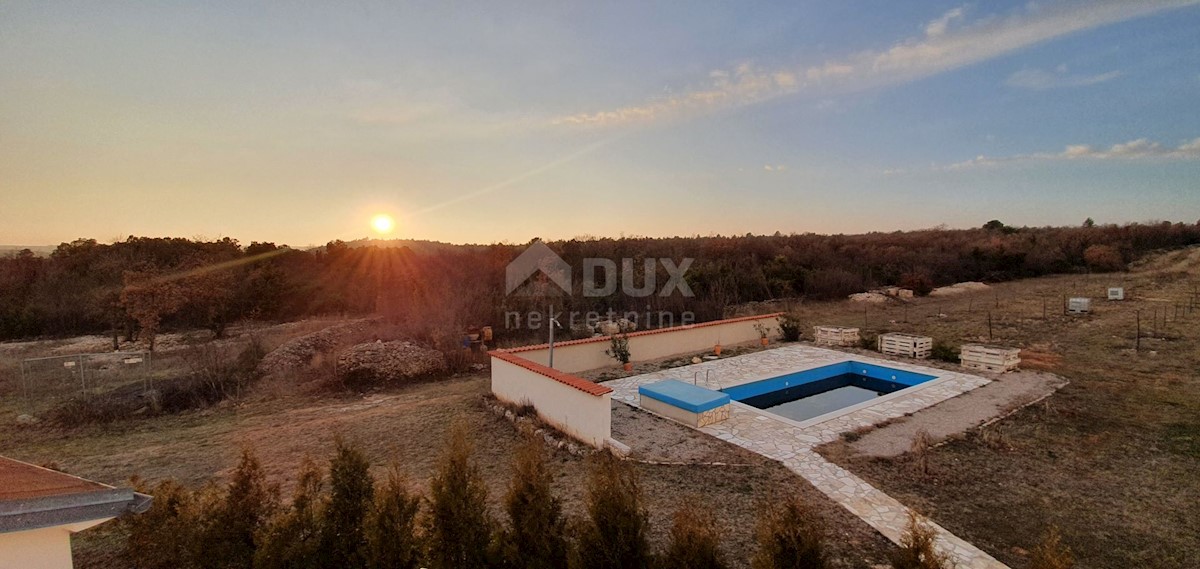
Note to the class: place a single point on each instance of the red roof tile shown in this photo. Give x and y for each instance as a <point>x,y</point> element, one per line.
<point>22,481</point>
<point>561,377</point>
<point>643,333</point>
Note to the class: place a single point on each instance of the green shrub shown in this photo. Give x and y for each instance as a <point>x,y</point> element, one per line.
<point>392,541</point>
<point>868,340</point>
<point>790,327</point>
<point>613,536</point>
<point>618,347</point>
<point>351,493</point>
<point>789,536</point>
<point>458,526</point>
<point>918,548</point>
<point>695,540</point>
<point>293,539</point>
<point>231,526</point>
<point>943,352</point>
<point>536,535</point>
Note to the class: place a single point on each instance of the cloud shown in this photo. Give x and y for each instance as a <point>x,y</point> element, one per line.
<point>1142,149</point>
<point>948,42</point>
<point>775,168</point>
<point>938,27</point>
<point>1038,79</point>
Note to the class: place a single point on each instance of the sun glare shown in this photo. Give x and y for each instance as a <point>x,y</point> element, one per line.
<point>383,223</point>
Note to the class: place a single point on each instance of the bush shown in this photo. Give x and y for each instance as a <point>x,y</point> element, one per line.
<point>351,493</point>
<point>293,539</point>
<point>789,536</point>
<point>536,536</point>
<point>868,340</point>
<point>231,527</point>
<point>390,529</point>
<point>458,527</point>
<point>944,352</point>
<point>695,541</point>
<point>917,281</point>
<point>1051,553</point>
<point>613,536</point>
<point>790,327</point>
<point>618,348</point>
<point>1103,259</point>
<point>917,548</point>
<point>164,537</point>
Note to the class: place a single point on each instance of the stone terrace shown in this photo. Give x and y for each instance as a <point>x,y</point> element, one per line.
<point>792,443</point>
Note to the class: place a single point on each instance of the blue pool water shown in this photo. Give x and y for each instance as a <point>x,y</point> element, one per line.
<point>814,392</point>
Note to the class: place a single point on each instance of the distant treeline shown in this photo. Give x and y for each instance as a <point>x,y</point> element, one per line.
<point>144,284</point>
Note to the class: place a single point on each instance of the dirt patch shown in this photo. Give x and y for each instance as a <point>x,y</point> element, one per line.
<point>954,416</point>
<point>655,439</point>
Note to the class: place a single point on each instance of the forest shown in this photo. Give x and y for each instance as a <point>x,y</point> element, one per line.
<point>142,285</point>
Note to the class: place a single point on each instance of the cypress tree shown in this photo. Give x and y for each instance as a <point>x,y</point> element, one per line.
<point>351,493</point>
<point>233,526</point>
<point>458,526</point>
<point>392,541</point>
<point>536,535</point>
<point>293,539</point>
<point>613,536</point>
<point>695,540</point>
<point>789,537</point>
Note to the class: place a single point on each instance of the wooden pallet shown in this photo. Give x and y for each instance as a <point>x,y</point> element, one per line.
<point>835,336</point>
<point>996,359</point>
<point>908,345</point>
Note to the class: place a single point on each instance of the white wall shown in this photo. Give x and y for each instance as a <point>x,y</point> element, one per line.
<point>582,415</point>
<point>583,355</point>
<point>45,548</point>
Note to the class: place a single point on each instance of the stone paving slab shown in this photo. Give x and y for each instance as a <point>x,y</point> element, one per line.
<point>792,443</point>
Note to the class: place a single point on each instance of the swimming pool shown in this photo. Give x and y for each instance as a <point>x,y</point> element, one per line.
<point>811,393</point>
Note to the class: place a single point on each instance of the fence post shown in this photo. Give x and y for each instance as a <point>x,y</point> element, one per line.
<point>1137,343</point>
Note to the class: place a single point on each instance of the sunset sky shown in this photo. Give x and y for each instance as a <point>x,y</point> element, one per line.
<point>297,124</point>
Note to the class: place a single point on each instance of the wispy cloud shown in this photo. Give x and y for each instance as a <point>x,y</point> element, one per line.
<point>948,42</point>
<point>1141,149</point>
<point>1039,79</point>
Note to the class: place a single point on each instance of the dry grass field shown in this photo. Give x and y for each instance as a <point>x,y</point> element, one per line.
<point>407,427</point>
<point>1113,458</point>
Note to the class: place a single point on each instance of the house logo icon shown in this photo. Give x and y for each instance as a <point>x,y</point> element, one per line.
<point>537,258</point>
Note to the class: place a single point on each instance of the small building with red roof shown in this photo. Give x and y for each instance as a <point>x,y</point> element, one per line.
<point>40,508</point>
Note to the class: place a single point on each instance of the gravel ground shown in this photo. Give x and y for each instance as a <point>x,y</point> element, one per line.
<point>951,417</point>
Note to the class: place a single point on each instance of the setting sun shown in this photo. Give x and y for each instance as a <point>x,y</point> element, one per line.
<point>383,223</point>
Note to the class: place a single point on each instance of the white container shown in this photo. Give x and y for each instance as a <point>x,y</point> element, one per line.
<point>1079,305</point>
<point>1116,293</point>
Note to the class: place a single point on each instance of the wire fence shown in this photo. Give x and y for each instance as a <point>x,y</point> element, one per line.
<point>52,378</point>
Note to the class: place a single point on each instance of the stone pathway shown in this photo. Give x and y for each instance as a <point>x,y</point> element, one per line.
<point>792,443</point>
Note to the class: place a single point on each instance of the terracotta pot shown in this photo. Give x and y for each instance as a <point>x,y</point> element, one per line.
<point>627,367</point>
<point>717,349</point>
<point>764,341</point>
